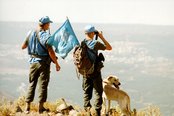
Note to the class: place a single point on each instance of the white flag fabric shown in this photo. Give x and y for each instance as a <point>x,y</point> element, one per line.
<point>64,39</point>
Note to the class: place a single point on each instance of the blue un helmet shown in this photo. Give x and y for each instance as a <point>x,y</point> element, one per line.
<point>89,29</point>
<point>45,20</point>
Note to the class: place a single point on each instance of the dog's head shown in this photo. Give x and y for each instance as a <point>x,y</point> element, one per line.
<point>114,81</point>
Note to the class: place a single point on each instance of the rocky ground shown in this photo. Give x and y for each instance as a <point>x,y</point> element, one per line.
<point>61,108</point>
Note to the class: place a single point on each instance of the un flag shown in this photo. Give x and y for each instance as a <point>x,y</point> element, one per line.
<point>64,39</point>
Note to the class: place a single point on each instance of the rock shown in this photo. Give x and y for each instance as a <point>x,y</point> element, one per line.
<point>59,114</point>
<point>64,108</point>
<point>73,113</point>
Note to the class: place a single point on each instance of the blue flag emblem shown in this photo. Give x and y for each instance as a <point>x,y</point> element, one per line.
<point>64,39</point>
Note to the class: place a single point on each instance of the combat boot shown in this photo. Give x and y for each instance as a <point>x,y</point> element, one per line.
<point>41,108</point>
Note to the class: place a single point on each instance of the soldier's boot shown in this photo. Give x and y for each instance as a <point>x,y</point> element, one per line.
<point>41,108</point>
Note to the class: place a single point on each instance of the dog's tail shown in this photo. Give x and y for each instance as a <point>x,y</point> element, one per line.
<point>131,113</point>
<point>128,109</point>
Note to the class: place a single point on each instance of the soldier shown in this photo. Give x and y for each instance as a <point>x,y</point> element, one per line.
<point>41,55</point>
<point>94,80</point>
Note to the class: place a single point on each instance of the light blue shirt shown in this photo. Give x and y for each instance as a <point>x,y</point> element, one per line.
<point>34,46</point>
<point>91,43</point>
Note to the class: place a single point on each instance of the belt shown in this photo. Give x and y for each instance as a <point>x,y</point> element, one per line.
<point>38,56</point>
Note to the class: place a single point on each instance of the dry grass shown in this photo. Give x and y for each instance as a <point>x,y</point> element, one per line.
<point>16,108</point>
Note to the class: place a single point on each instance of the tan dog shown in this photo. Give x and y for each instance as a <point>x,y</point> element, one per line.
<point>111,91</point>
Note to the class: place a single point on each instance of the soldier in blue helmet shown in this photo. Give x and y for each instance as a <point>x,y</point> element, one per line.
<point>41,55</point>
<point>94,80</point>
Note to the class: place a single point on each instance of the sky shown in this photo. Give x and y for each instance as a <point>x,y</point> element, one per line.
<point>156,12</point>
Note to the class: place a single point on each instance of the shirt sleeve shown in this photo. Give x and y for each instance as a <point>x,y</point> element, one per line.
<point>47,44</point>
<point>44,36</point>
<point>99,46</point>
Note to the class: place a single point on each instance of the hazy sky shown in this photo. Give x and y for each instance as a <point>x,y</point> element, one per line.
<point>90,11</point>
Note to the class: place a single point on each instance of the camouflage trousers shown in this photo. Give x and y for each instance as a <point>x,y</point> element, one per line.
<point>39,73</point>
<point>94,81</point>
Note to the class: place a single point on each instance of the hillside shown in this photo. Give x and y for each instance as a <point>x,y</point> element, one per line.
<point>16,108</point>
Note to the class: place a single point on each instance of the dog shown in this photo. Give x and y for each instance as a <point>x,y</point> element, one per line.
<point>111,91</point>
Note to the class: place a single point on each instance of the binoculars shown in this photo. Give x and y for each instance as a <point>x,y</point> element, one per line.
<point>96,32</point>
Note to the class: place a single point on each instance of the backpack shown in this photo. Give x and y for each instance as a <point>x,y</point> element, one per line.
<point>84,59</point>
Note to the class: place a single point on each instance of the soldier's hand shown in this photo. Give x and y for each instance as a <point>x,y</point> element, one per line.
<point>100,34</point>
<point>57,67</point>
